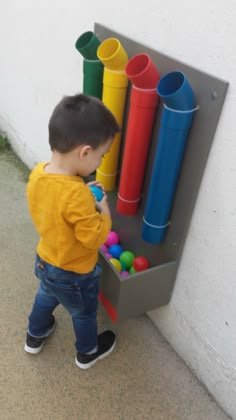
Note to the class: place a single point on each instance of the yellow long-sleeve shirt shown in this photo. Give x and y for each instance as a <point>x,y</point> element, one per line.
<point>63,211</point>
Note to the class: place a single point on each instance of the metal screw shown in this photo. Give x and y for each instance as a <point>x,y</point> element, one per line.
<point>213,95</point>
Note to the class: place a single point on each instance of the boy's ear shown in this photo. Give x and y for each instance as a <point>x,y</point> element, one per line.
<point>84,150</point>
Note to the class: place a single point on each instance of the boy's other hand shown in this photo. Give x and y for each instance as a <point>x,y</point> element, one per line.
<point>103,205</point>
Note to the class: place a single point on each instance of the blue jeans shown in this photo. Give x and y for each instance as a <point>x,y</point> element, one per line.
<point>78,293</point>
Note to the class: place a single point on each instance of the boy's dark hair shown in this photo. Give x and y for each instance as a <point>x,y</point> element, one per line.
<point>80,119</point>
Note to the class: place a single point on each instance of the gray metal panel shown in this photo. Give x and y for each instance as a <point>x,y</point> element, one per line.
<point>210,94</point>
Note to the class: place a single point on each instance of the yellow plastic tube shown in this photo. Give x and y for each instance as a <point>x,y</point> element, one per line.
<point>115,82</point>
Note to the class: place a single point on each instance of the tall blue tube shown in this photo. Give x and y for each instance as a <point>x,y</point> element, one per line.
<point>176,119</point>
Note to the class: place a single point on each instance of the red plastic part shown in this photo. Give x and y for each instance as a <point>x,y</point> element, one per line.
<point>143,105</point>
<point>142,72</point>
<point>108,306</point>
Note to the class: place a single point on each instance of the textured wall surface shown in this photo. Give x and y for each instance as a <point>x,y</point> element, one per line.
<point>39,64</point>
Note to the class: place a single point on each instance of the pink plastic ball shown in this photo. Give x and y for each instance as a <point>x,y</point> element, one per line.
<point>109,256</point>
<point>124,274</point>
<point>104,248</point>
<point>112,239</point>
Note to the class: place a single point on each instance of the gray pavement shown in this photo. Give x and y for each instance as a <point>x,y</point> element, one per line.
<point>143,379</point>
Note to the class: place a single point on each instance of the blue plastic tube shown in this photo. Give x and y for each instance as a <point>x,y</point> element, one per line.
<point>176,119</point>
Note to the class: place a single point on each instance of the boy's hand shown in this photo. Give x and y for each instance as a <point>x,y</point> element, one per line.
<point>96,184</point>
<point>103,206</point>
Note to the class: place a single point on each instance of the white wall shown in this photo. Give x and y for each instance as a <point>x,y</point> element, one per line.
<point>39,64</point>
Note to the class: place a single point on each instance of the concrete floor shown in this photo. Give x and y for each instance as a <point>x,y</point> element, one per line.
<point>143,379</point>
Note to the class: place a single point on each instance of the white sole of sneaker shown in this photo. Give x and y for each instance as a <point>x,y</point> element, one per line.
<point>37,350</point>
<point>89,365</point>
<point>31,350</point>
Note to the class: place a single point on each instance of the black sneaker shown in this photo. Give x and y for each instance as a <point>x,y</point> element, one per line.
<point>34,345</point>
<point>106,344</point>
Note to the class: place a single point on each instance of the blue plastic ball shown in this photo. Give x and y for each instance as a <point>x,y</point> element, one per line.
<point>97,192</point>
<point>116,250</point>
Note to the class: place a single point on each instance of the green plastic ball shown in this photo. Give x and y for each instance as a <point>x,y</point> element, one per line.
<point>127,257</point>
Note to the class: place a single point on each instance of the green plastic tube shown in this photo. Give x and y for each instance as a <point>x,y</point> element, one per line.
<point>87,44</point>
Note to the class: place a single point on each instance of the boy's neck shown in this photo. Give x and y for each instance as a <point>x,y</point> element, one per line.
<point>60,164</point>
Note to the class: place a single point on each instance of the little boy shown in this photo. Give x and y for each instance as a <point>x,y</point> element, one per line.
<point>72,226</point>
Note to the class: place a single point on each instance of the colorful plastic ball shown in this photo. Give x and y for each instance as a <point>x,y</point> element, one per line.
<point>132,270</point>
<point>97,192</point>
<point>140,263</point>
<point>124,274</point>
<point>123,266</point>
<point>127,258</point>
<point>109,256</point>
<point>104,249</point>
<point>116,263</point>
<point>116,250</point>
<point>112,239</point>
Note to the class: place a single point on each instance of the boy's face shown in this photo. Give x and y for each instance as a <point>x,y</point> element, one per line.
<point>91,158</point>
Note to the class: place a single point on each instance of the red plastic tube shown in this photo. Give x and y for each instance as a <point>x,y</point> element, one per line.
<point>142,72</point>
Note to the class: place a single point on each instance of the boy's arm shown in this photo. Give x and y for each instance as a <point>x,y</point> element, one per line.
<point>91,228</point>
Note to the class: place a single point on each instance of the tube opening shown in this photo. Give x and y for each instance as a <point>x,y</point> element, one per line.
<point>170,83</point>
<point>84,40</point>
<point>108,48</point>
<point>137,65</point>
